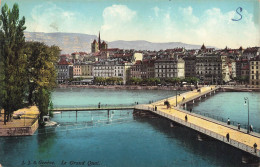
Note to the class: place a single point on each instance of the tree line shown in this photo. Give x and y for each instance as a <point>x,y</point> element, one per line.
<point>108,80</point>
<point>155,81</point>
<point>27,69</point>
<point>147,81</point>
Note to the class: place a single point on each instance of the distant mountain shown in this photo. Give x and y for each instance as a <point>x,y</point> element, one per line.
<point>68,42</point>
<point>145,45</point>
<point>72,42</point>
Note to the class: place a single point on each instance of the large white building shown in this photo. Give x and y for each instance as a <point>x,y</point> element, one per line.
<point>112,69</point>
<point>168,68</point>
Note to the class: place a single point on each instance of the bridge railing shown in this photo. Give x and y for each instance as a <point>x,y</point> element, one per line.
<point>95,106</point>
<point>222,119</point>
<point>197,96</point>
<point>104,105</point>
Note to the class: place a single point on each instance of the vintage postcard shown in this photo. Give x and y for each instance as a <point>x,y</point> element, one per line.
<point>129,83</point>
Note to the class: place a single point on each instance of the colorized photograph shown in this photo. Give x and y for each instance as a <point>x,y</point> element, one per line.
<point>129,83</point>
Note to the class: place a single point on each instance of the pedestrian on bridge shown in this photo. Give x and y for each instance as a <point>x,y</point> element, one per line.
<point>255,146</point>
<point>99,105</point>
<point>186,118</point>
<point>238,126</point>
<point>227,136</point>
<point>228,121</point>
<point>251,128</point>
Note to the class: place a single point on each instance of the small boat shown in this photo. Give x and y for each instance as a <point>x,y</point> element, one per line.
<point>50,123</point>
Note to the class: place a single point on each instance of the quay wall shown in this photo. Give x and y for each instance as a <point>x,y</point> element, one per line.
<point>20,131</point>
<point>128,87</point>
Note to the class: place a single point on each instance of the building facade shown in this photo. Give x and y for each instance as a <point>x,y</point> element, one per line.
<point>190,66</point>
<point>77,70</point>
<point>112,69</point>
<point>254,78</point>
<point>64,70</point>
<point>87,69</point>
<point>208,69</point>
<point>169,68</point>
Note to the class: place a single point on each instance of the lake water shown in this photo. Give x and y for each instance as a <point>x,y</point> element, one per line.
<point>96,139</point>
<point>232,105</point>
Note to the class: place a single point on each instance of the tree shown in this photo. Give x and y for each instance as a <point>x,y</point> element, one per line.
<point>119,81</point>
<point>27,69</point>
<point>13,60</point>
<point>43,100</point>
<point>99,80</point>
<point>41,72</point>
<point>135,80</point>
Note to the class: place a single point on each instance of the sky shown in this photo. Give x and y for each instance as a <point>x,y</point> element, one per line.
<point>190,21</point>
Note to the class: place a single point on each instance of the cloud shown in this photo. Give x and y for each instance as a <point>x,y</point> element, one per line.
<point>213,27</point>
<point>49,17</point>
<point>118,22</point>
<point>220,30</point>
<point>156,11</point>
<point>187,15</point>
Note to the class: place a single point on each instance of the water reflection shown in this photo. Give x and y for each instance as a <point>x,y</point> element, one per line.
<point>46,138</point>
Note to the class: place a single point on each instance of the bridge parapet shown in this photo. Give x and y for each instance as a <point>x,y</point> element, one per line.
<point>198,96</point>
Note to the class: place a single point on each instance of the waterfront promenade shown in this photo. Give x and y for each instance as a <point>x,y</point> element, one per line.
<point>27,124</point>
<point>226,133</point>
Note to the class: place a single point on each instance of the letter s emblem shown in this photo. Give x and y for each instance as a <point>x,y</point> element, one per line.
<point>239,9</point>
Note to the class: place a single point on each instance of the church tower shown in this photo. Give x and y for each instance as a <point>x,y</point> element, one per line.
<point>99,41</point>
<point>97,46</point>
<point>94,46</point>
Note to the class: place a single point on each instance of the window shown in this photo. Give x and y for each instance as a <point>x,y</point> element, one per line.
<point>253,77</point>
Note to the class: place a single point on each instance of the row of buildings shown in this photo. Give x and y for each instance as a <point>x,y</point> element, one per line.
<point>209,65</point>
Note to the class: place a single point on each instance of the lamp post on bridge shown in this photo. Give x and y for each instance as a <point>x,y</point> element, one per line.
<point>176,97</point>
<point>247,103</point>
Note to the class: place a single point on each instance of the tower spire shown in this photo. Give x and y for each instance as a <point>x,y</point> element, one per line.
<point>99,40</point>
